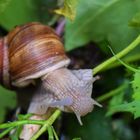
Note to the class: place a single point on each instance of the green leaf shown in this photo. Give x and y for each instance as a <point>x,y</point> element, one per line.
<point>117,99</point>
<point>135,22</point>
<point>136,86</point>
<point>119,94</point>
<point>116,94</point>
<point>7,101</point>
<point>99,20</point>
<point>19,12</point>
<point>77,139</point>
<point>4,4</point>
<point>69,9</point>
<point>92,123</point>
<point>132,107</point>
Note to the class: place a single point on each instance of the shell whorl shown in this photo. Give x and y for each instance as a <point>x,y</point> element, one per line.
<point>4,64</point>
<point>34,50</point>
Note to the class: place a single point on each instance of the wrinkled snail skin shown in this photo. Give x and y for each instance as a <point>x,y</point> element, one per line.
<point>68,90</point>
<point>34,51</point>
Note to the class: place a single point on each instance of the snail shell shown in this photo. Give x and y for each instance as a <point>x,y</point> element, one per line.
<point>34,50</point>
<point>4,64</point>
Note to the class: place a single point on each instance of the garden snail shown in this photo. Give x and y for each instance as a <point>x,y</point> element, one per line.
<point>34,51</point>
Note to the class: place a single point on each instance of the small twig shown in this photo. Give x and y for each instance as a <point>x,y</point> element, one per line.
<point>111,93</point>
<point>22,122</point>
<point>56,136</point>
<point>110,61</point>
<point>47,124</point>
<point>5,132</point>
<point>50,133</point>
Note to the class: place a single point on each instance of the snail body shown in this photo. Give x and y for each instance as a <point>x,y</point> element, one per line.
<point>34,51</point>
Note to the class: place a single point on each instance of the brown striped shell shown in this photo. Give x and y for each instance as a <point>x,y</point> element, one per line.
<point>34,50</point>
<point>4,64</point>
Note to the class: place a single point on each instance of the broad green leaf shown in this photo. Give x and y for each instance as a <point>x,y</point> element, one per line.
<point>19,12</point>
<point>99,20</point>
<point>94,124</point>
<point>136,86</point>
<point>7,101</point>
<point>4,4</point>
<point>132,107</point>
<point>135,22</point>
<point>69,9</point>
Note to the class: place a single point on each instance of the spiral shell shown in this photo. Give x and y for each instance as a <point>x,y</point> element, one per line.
<point>4,64</point>
<point>34,50</point>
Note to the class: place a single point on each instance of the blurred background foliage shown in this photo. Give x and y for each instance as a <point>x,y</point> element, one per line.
<point>95,22</point>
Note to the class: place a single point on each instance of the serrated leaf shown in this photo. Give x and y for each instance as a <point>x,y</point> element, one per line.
<point>135,22</point>
<point>132,107</point>
<point>7,101</point>
<point>69,9</point>
<point>99,20</point>
<point>136,86</point>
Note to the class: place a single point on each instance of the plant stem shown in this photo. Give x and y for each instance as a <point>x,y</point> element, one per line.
<point>22,122</point>
<point>119,55</point>
<point>47,124</point>
<point>5,132</point>
<point>55,134</point>
<point>50,133</point>
<point>126,60</point>
<point>112,93</point>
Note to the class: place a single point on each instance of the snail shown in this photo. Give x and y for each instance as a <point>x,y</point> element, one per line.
<point>34,51</point>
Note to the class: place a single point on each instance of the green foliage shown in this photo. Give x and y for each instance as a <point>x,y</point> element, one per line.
<point>101,20</point>
<point>134,106</point>
<point>122,130</point>
<point>7,101</point>
<point>96,21</point>
<point>4,4</point>
<point>117,99</point>
<point>136,86</point>
<point>135,22</point>
<point>98,127</point>
<point>69,9</point>
<point>19,12</point>
<point>77,139</point>
<point>93,122</point>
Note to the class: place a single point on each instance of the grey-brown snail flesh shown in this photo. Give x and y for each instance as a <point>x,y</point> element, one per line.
<point>68,90</point>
